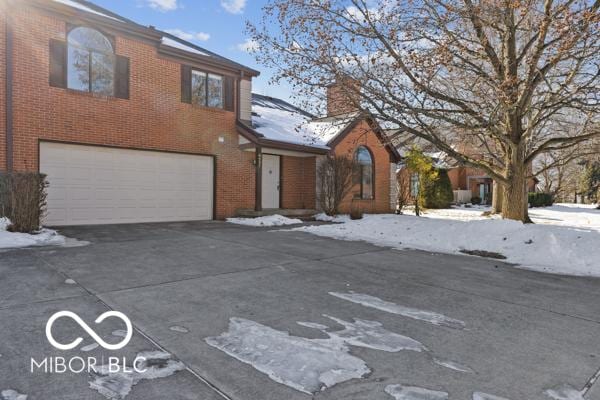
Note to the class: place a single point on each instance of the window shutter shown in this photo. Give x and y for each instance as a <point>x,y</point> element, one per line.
<point>58,63</point>
<point>229,93</point>
<point>186,84</point>
<point>122,77</point>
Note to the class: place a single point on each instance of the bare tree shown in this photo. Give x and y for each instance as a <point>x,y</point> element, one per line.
<point>334,180</point>
<point>403,189</point>
<point>515,79</point>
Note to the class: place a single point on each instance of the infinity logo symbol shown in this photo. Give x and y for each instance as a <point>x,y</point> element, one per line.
<point>89,330</point>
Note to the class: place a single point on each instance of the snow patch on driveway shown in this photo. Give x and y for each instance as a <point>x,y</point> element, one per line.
<point>400,392</point>
<point>387,306</point>
<point>369,334</point>
<point>12,395</point>
<point>307,365</point>
<point>485,396</point>
<point>116,386</point>
<point>453,365</point>
<point>564,392</point>
<point>269,220</point>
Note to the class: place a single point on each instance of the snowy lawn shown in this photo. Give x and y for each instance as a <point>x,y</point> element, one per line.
<point>269,220</point>
<point>45,237</point>
<point>565,238</point>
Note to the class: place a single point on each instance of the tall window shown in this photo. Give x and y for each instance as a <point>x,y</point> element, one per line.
<point>207,89</point>
<point>365,172</point>
<point>91,62</point>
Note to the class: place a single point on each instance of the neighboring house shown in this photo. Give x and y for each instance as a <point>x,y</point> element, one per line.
<point>467,182</point>
<point>132,124</point>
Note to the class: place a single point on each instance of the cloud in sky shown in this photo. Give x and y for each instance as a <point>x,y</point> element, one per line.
<point>248,46</point>
<point>163,5</point>
<point>189,35</point>
<point>233,6</point>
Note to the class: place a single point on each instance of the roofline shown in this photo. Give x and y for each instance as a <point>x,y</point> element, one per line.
<point>299,110</point>
<point>127,26</point>
<point>259,140</point>
<point>186,56</point>
<point>394,155</point>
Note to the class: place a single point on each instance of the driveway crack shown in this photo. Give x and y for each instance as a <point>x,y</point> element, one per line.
<point>588,386</point>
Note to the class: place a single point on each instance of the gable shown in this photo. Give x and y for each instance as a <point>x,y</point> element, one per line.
<point>363,131</point>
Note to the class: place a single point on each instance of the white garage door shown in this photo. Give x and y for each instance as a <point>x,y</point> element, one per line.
<point>101,185</point>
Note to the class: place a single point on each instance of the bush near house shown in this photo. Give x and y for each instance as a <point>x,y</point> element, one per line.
<point>437,193</point>
<point>540,199</point>
<point>476,200</point>
<point>23,200</point>
<point>334,180</point>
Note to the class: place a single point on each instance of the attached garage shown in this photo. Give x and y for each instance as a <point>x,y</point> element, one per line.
<point>105,185</point>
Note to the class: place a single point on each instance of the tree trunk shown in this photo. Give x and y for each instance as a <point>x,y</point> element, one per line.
<point>514,199</point>
<point>497,191</point>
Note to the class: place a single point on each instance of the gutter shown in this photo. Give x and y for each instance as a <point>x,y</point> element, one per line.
<point>9,94</point>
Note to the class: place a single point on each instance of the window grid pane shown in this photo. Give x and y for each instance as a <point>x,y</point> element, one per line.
<point>78,69</point>
<point>199,88</point>
<point>215,91</point>
<point>103,71</point>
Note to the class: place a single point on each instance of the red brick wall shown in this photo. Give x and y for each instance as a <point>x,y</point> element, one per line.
<point>153,117</point>
<point>363,135</point>
<point>298,182</point>
<point>2,86</point>
<point>342,97</point>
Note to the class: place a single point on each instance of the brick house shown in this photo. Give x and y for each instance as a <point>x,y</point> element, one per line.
<point>467,182</point>
<point>343,131</point>
<point>132,124</point>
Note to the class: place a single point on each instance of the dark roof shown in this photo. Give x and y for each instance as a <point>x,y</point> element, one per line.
<point>277,104</point>
<point>210,56</point>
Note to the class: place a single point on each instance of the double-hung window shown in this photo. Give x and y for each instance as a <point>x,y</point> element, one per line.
<point>207,89</point>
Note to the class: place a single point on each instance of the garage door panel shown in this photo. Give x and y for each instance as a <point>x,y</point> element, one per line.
<point>96,185</point>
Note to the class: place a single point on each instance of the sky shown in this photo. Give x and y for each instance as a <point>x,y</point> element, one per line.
<point>216,25</point>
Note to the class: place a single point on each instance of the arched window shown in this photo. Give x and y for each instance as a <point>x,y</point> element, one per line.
<point>364,159</point>
<point>91,62</point>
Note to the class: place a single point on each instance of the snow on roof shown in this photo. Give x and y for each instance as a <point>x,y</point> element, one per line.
<point>83,7</point>
<point>167,41</point>
<point>277,120</point>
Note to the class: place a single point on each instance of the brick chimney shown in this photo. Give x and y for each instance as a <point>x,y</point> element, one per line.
<point>343,97</point>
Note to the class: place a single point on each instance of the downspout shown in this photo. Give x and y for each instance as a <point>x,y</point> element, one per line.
<point>258,186</point>
<point>9,94</point>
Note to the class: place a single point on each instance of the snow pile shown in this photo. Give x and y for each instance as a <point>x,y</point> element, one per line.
<point>567,249</point>
<point>269,220</point>
<point>327,218</point>
<point>387,306</point>
<point>581,216</point>
<point>116,386</point>
<point>45,237</point>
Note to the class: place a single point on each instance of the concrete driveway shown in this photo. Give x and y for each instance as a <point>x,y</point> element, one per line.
<point>524,332</point>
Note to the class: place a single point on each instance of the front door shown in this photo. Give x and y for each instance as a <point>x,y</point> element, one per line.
<point>270,181</point>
